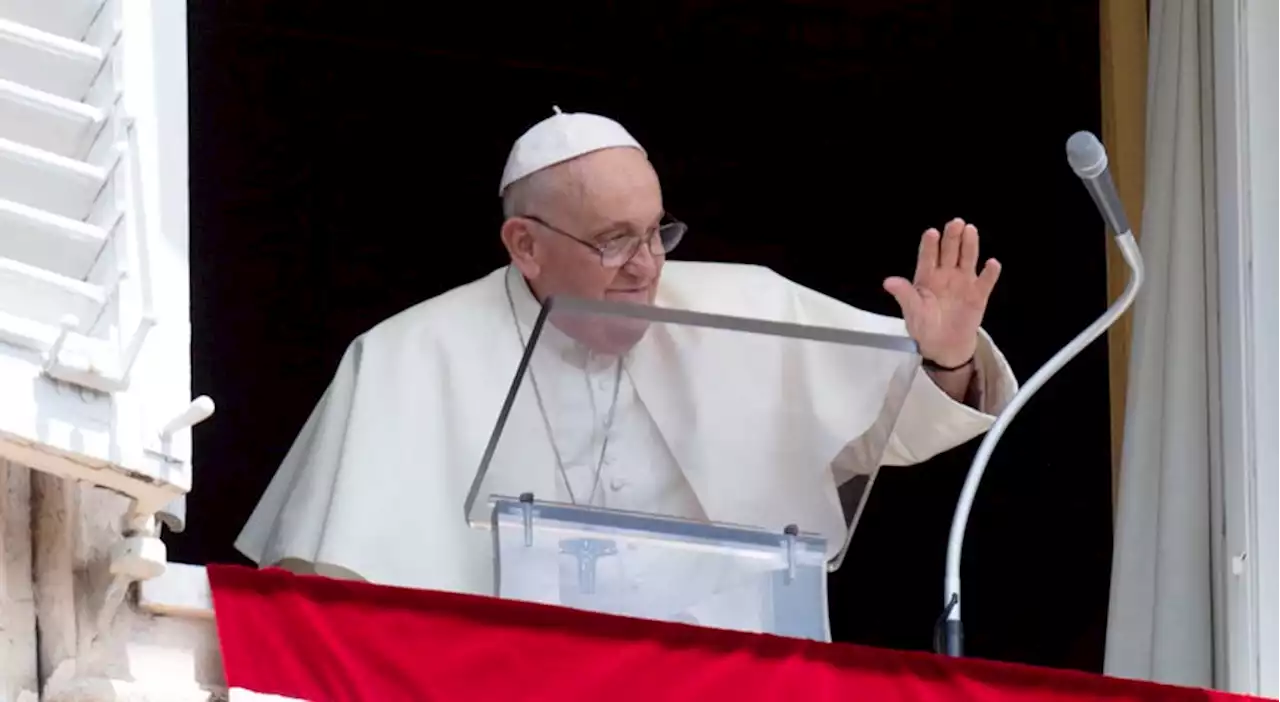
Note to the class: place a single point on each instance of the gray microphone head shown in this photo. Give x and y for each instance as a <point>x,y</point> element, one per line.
<point>1086,155</point>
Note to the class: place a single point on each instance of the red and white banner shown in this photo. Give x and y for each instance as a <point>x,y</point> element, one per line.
<point>286,637</point>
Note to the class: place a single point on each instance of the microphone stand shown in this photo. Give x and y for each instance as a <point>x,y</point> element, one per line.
<point>952,628</point>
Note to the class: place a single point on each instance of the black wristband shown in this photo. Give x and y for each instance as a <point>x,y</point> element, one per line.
<point>934,366</point>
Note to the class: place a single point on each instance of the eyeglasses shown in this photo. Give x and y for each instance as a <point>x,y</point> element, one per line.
<point>617,251</point>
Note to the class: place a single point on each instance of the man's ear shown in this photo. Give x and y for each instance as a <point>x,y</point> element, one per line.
<point>521,246</point>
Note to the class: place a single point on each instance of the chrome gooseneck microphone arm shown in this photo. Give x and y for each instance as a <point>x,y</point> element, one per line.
<point>1089,160</point>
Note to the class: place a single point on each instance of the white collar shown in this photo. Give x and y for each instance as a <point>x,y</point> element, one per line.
<point>550,339</point>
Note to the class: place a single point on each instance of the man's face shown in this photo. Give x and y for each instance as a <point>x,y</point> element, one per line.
<point>608,197</point>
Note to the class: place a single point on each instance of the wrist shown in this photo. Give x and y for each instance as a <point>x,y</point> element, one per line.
<point>946,367</point>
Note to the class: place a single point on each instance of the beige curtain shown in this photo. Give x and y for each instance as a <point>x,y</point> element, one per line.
<point>1160,623</point>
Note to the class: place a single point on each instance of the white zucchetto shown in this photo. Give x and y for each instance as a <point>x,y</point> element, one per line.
<point>560,137</point>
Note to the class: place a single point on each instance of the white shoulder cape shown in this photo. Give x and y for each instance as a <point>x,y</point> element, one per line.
<point>375,482</point>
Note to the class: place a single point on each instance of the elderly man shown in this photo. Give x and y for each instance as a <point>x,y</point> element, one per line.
<point>374,484</point>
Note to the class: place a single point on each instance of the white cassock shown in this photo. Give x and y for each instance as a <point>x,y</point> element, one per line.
<point>375,483</point>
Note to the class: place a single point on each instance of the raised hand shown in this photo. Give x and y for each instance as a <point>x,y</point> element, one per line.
<point>944,304</point>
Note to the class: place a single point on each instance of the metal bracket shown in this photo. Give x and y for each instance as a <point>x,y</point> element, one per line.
<point>199,410</point>
<point>526,508</point>
<point>791,532</point>
<point>141,555</point>
<point>174,514</point>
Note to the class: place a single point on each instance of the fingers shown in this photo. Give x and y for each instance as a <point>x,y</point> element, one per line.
<point>927,259</point>
<point>955,247</point>
<point>950,255</point>
<point>969,249</point>
<point>987,279</point>
<point>905,293</point>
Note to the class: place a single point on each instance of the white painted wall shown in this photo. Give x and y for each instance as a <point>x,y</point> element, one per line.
<point>1262,20</point>
<point>1245,84</point>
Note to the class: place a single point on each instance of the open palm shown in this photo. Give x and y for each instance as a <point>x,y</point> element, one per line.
<point>944,304</point>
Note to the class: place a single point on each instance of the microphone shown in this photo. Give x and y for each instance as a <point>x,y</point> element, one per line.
<point>1088,159</point>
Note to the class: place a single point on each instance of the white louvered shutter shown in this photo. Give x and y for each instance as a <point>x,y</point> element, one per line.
<point>94,300</point>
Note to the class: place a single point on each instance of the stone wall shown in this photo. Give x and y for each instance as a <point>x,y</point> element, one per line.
<point>69,629</point>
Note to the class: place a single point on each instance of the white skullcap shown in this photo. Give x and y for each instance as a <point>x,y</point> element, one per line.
<point>560,137</point>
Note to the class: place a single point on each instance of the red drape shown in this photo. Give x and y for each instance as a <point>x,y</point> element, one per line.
<point>319,639</point>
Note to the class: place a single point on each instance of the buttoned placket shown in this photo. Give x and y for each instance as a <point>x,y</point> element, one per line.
<point>583,401</point>
<point>607,400</point>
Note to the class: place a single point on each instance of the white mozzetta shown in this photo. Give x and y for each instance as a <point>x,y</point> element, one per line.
<point>46,121</point>
<point>65,18</point>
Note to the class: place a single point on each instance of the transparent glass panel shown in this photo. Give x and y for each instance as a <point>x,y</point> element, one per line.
<point>627,425</point>
<point>658,568</point>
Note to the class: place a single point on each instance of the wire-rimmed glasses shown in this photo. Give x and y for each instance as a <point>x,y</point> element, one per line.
<point>617,251</point>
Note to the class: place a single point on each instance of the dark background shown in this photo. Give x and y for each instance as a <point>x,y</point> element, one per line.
<point>344,165</point>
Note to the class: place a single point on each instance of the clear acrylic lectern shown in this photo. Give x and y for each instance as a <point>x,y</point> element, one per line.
<point>682,466</point>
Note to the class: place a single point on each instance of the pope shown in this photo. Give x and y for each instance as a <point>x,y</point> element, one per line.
<point>374,484</point>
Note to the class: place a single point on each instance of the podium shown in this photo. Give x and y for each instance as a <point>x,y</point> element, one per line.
<point>685,466</point>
